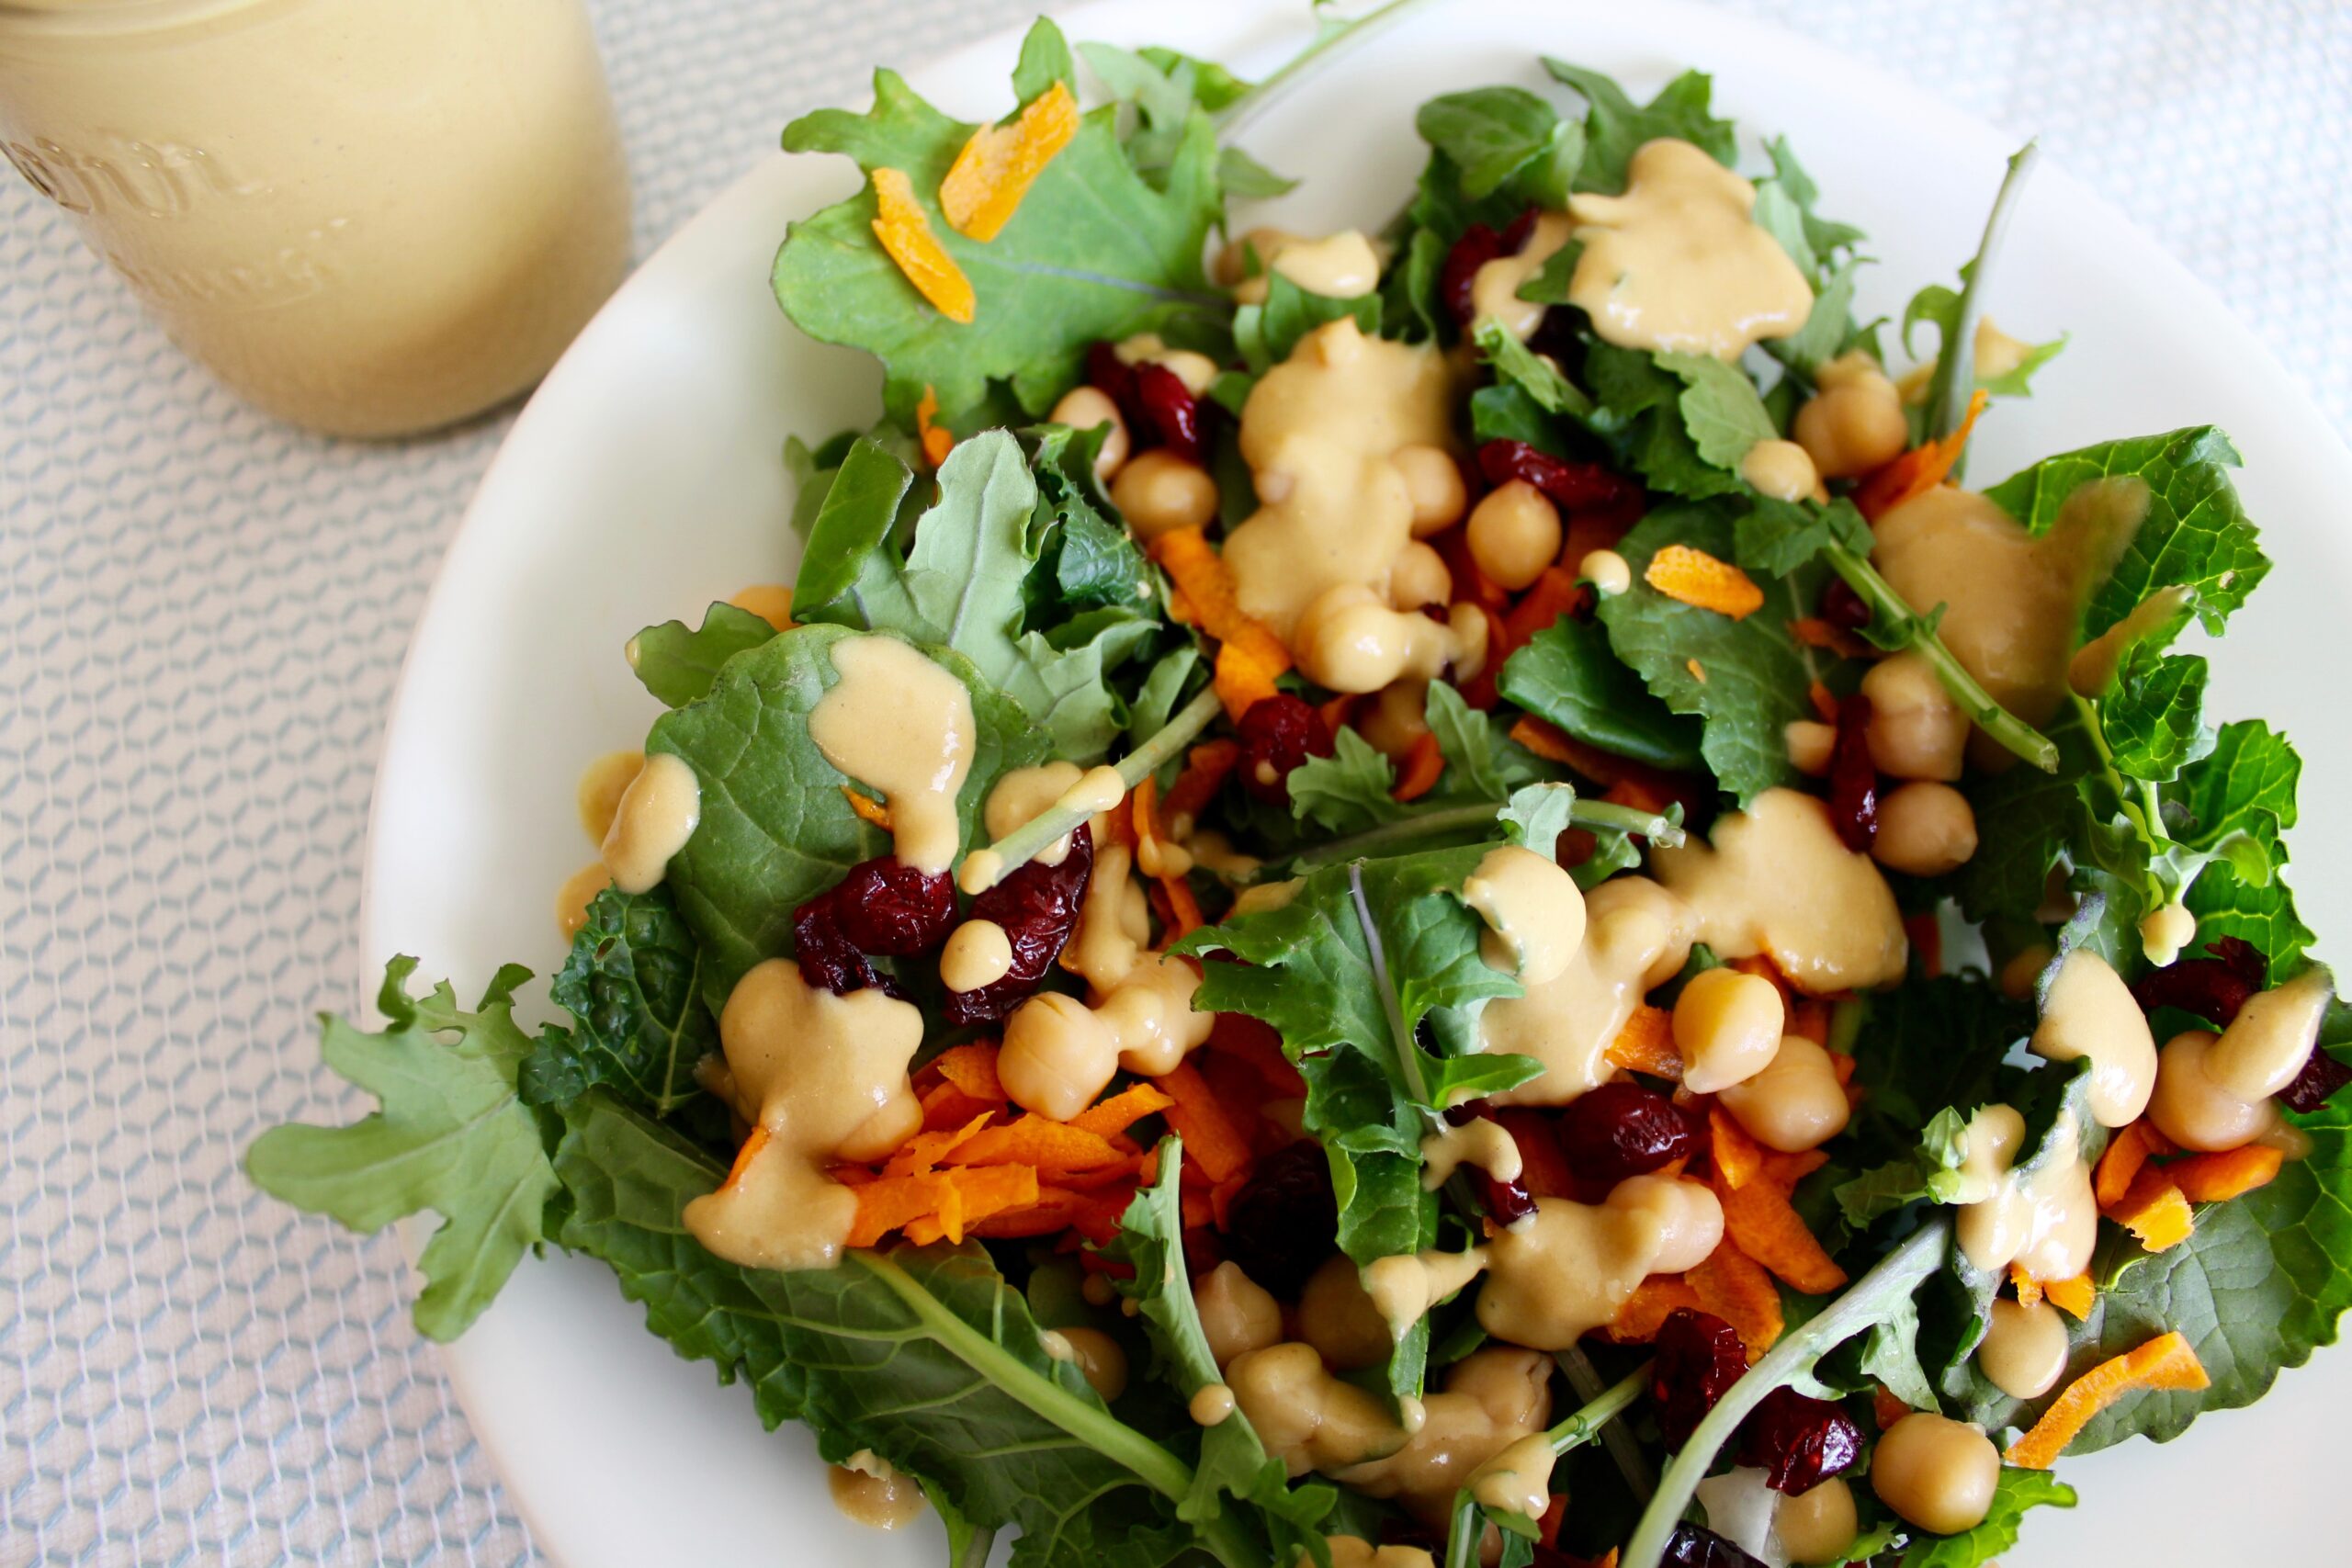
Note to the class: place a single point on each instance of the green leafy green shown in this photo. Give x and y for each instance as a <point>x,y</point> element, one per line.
<point>2013,1494</point>
<point>1493,134</point>
<point>678,665</point>
<point>1266,333</point>
<point>1568,675</point>
<point>1720,408</point>
<point>1481,759</point>
<point>1642,415</point>
<point>1779,537</point>
<point>2155,717</point>
<point>1516,364</point>
<point>849,566</point>
<point>632,983</point>
<point>1613,127</point>
<point>450,1136</point>
<point>1347,791</point>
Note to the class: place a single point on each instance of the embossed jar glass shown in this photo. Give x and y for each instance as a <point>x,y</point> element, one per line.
<point>369,217</point>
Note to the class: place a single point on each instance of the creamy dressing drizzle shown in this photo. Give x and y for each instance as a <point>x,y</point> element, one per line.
<point>2089,1012</point>
<point>579,891</point>
<point>2045,1221</point>
<point>1403,1288</point>
<point>602,784</point>
<point>1535,915</point>
<point>1638,935</point>
<point>978,953</point>
<point>872,1491</point>
<point>656,815</point>
<point>1480,1141</point>
<point>1494,290</point>
<point>902,726</point>
<point>1567,1269</point>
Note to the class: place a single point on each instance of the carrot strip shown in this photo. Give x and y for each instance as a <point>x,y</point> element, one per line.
<point>1739,1159</point>
<point>1108,1117</point>
<point>1918,471</point>
<point>1034,1141</point>
<point>993,1189</point>
<point>2164,1363</point>
<point>1554,594</point>
<point>2154,1209</point>
<point>893,1203</point>
<point>937,440</point>
<point>997,167</point>
<point>1205,767</point>
<point>2126,1153</point>
<point>1542,1166</point>
<point>2216,1178</point>
<point>1182,915</point>
<point>1825,704</point>
<point>1480,691</point>
<point>2029,1287</point>
<point>1607,769</point>
<point>2075,1296</point>
<point>1055,1210</point>
<point>868,808</point>
<point>1422,768</point>
<point>1647,1310</point>
<point>926,1152</point>
<point>1810,1019</point>
<point>1698,579</point>
<point>904,228</point>
<point>1646,1044</point>
<point>754,1142</point>
<point>1735,1288</point>
<point>1250,654</point>
<point>1215,1146</point>
<point>1886,1408</point>
<point>972,1068</point>
<point>1761,1221</point>
<point>1811,631</point>
<point>947,1106</point>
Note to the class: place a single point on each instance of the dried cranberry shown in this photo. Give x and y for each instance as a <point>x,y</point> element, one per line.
<point>1853,777</point>
<point>1110,375</point>
<point>1277,734</point>
<point>2321,1076</point>
<point>1692,1547</point>
<point>1622,1129</point>
<point>1798,1441</point>
<point>886,906</point>
<point>1478,245</point>
<point>2213,989</point>
<point>1037,906</point>
<point>1573,485</point>
<point>1699,1358</point>
<point>1505,1202</point>
<point>1844,608</point>
<point>1169,408</point>
<point>1284,1223</point>
<point>827,957</point>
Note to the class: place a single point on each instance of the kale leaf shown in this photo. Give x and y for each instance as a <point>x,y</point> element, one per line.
<point>632,983</point>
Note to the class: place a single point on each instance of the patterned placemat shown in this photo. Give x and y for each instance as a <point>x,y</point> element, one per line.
<point>204,613</point>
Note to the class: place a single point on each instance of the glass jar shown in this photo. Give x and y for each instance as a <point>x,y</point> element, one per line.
<point>369,217</point>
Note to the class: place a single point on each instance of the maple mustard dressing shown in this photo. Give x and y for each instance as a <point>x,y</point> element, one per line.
<point>1494,288</point>
<point>1638,935</point>
<point>1569,1267</point>
<point>1678,263</point>
<point>1535,915</point>
<point>602,784</point>
<point>902,726</point>
<point>651,821</point>
<point>820,1078</point>
<point>1482,1142</point>
<point>874,1492</point>
<point>2045,1220</point>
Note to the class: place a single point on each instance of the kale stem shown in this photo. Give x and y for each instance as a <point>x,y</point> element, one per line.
<point>1464,1529</point>
<point>1894,1279</point>
<point>1599,815</point>
<point>1328,36</point>
<point>1956,378</point>
<point>1888,609</point>
<point>1021,846</point>
<point>1408,1054</point>
<point>977,1546</point>
<point>1585,1379</point>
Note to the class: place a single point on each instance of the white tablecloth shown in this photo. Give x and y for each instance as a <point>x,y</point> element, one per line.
<point>203,616</point>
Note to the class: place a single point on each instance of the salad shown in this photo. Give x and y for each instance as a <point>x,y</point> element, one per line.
<point>1433,894</point>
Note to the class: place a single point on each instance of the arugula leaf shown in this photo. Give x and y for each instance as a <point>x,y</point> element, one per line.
<point>776,827</point>
<point>1516,364</point>
<point>1828,327</point>
<point>2013,1494</point>
<point>677,665</point>
<point>1645,424</point>
<point>1347,791</point>
<point>1568,675</point>
<point>1939,306</point>
<point>1086,561</point>
<point>1614,127</point>
<point>2196,534</point>
<point>1746,679</point>
<point>1791,188</point>
<point>1930,1046</point>
<point>1778,536</point>
<point>1266,333</point>
<point>1720,408</point>
<point>1097,251</point>
<point>2155,718</point>
<point>632,983</point>
<point>849,566</point>
<point>1481,757</point>
<point>450,1135</point>
<point>1930,1172</point>
<point>2025,821</point>
<point>1493,134</point>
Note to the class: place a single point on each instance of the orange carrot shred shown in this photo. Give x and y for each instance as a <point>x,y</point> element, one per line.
<point>1738,1158</point>
<point>904,228</point>
<point>1647,1310</point>
<point>1182,915</point>
<point>972,1068</point>
<point>2126,1153</point>
<point>2029,1287</point>
<point>2167,1362</point>
<point>1824,705</point>
<point>1886,1408</point>
<point>947,1106</point>
<point>1205,767</point>
<point>1554,593</point>
<point>2075,1296</point>
<point>1698,579</point>
<point>2154,1209</point>
<point>1040,1143</point>
<point>2217,1178</point>
<point>1735,1288</point>
<point>1918,471</point>
<point>1810,1020</point>
<point>867,807</point>
<point>1250,654</point>
<point>1107,1118</point>
<point>892,1202</point>
<point>1760,1220</point>
<point>925,1152</point>
<point>1210,1138</point>
<point>937,440</point>
<point>1646,1044</point>
<point>754,1142</point>
<point>997,167</point>
<point>1423,767</point>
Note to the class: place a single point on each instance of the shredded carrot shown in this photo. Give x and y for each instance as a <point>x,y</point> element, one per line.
<point>1809,1020</point>
<point>2216,1178</point>
<point>1221,1199</point>
<point>1811,631</point>
<point>1698,579</point>
<point>945,1106</point>
<point>1339,711</point>
<point>901,223</point>
<point>994,171</point>
<point>2126,1153</point>
<point>1470,581</point>
<point>937,440</point>
<point>978,1194</point>
<point>1927,934</point>
<point>1183,914</point>
<point>1108,1117</point>
<point>1739,1159</point>
<point>1210,1138</point>
<point>1249,656</point>
<point>1480,691</point>
<point>1422,768</point>
<point>1763,968</point>
<point>1918,471</point>
<point>1554,593</point>
<point>892,1202</point>
<point>1784,1171</point>
<point>972,1068</point>
<point>1760,1220</point>
<point>754,1142</point>
<point>1054,1209</point>
<point>1658,788</point>
<point>926,1152</point>
<point>2075,1296</point>
<point>2164,1363</point>
<point>867,807</point>
<point>1646,1044</point>
<point>1735,1288</point>
<point>2029,1288</point>
<point>1825,704</point>
<point>1047,1146</point>
<point>2153,1209</point>
<point>1886,1408</point>
<point>1556,1514</point>
<point>1205,767</point>
<point>1647,1310</point>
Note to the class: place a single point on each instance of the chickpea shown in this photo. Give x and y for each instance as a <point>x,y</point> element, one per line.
<point>1690,1218</point>
<point>1433,480</point>
<point>1809,745</point>
<point>1817,1526</point>
<point>1417,577</point>
<point>1855,421</point>
<point>1083,407</point>
<point>1098,1358</point>
<point>1196,370</point>
<point>1915,731</point>
<point>1514,534</point>
<point>1159,493</point>
<point>1238,1315</point>
<point>1348,641</point>
<point>1925,829</point>
<point>1727,1026</point>
<point>1336,1315</point>
<point>1938,1473</point>
<point>2023,1352</point>
<point>1303,1415</point>
<point>1781,470</point>
<point>1398,719</point>
<point>2023,970</point>
<point>1795,1103</point>
<point>1057,1055</point>
<point>2196,1113</point>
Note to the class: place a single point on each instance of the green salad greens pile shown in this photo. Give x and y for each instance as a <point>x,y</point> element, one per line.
<point>2053,1163</point>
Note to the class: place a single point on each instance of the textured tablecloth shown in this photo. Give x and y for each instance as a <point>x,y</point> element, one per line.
<point>204,613</point>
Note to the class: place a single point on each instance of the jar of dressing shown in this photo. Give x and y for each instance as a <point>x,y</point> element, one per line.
<point>369,217</point>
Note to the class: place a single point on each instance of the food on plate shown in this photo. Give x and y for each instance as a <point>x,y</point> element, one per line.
<point>1431,893</point>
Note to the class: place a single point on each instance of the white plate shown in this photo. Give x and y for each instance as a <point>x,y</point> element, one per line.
<point>642,481</point>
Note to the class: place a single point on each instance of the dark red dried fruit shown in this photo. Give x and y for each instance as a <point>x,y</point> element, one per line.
<point>1037,906</point>
<point>1574,487</point>
<point>823,950</point>
<point>1110,375</point>
<point>1691,1547</point>
<point>2213,989</point>
<point>1169,410</point>
<point>1622,1129</point>
<point>1284,1223</point>
<point>886,906</point>
<point>1853,777</point>
<point>1277,734</point>
<point>1844,608</point>
<point>1478,245</point>
<point>2321,1076</point>
<point>1699,1358</point>
<point>1798,1441</point>
<point>1505,1202</point>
